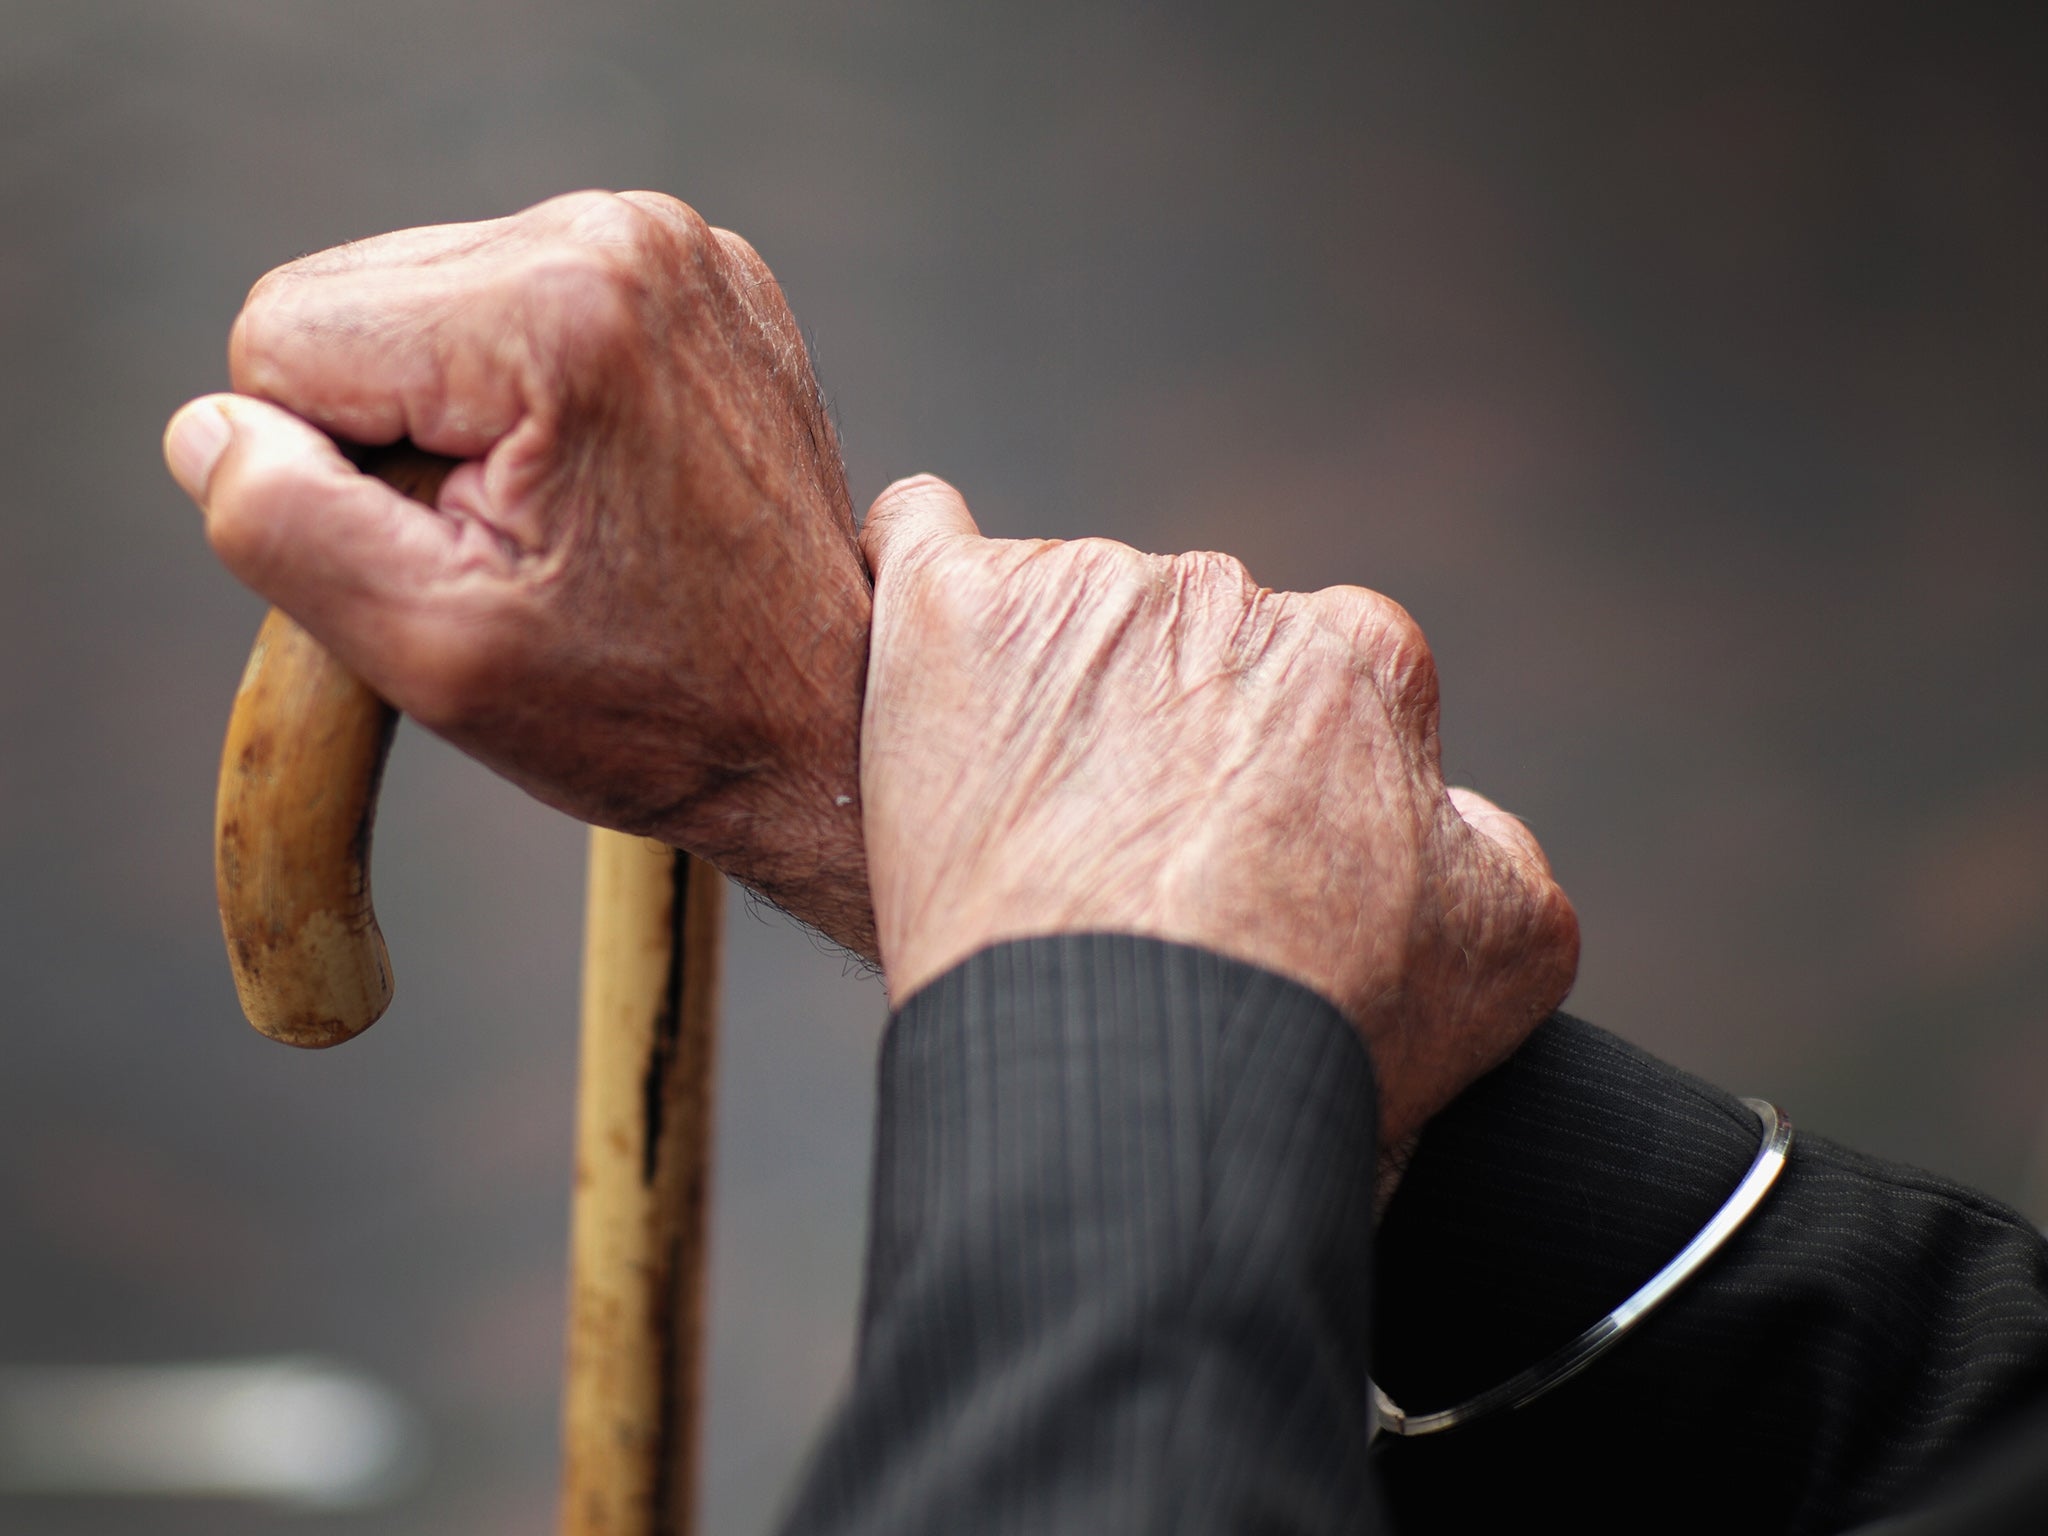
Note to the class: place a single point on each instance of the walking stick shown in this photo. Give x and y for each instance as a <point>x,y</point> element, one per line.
<point>298,796</point>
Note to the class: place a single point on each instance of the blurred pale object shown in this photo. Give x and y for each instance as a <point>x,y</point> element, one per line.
<point>289,1430</point>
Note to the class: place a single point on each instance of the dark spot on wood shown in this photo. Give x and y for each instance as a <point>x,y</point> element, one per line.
<point>668,1026</point>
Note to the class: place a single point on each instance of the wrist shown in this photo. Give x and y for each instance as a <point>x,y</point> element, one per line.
<point>784,817</point>
<point>794,837</point>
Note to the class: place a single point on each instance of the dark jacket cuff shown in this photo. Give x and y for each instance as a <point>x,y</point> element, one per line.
<point>1120,1245</point>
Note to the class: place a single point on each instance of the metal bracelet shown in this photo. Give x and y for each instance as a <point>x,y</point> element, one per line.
<point>1520,1390</point>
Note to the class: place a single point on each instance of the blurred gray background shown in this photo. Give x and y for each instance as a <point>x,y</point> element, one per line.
<point>1680,366</point>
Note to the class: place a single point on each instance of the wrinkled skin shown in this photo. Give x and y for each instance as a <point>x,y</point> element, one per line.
<point>639,597</point>
<point>1076,737</point>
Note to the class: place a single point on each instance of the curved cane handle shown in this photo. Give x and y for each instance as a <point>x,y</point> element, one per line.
<point>298,799</point>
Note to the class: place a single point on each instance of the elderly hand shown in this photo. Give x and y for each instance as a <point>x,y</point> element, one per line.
<point>639,596</point>
<point>1077,736</point>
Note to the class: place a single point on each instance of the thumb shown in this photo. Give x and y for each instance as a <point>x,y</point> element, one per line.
<point>290,516</point>
<point>910,516</point>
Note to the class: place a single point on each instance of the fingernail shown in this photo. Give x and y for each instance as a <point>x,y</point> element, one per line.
<point>193,443</point>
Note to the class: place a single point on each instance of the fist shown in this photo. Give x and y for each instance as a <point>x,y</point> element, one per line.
<point>639,595</point>
<point>1064,737</point>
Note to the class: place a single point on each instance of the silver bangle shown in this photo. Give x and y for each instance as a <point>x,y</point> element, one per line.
<point>1521,1390</point>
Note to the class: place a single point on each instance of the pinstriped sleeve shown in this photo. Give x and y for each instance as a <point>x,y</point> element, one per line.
<point>1121,1229</point>
<point>1863,1334</point>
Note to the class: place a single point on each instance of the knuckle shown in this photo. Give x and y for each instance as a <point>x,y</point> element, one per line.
<point>646,231</point>
<point>663,234</point>
<point>740,252</point>
<point>1211,568</point>
<point>588,210</point>
<point>1216,593</point>
<point>1408,678</point>
<point>1112,563</point>
<point>667,212</point>
<point>618,262</point>
<point>1115,577</point>
<point>585,296</point>
<point>648,227</point>
<point>1552,944</point>
<point>253,337</point>
<point>1391,645</point>
<point>266,289</point>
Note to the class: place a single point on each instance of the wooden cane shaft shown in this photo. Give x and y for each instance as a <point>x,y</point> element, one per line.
<point>638,1232</point>
<point>298,798</point>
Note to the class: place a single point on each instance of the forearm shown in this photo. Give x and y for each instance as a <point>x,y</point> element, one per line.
<point>1121,1237</point>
